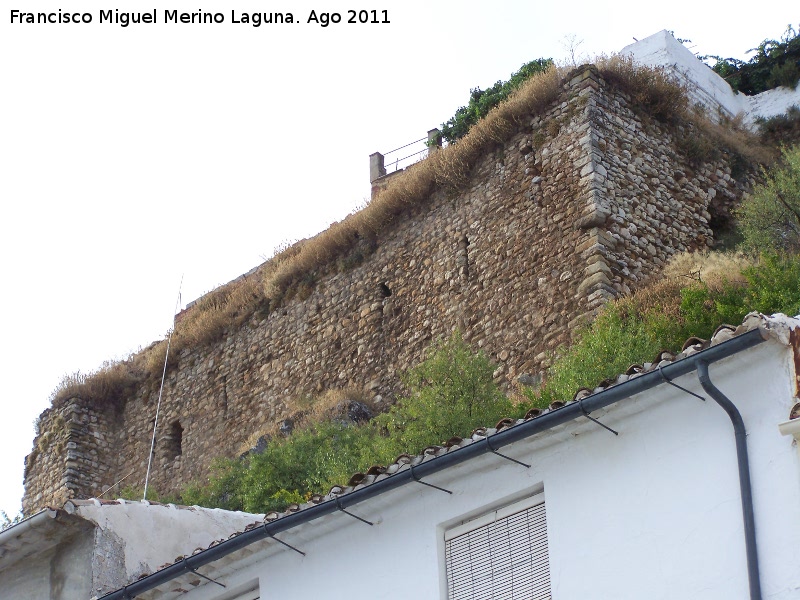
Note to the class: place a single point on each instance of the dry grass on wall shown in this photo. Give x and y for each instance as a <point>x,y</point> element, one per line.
<point>712,268</point>
<point>112,382</point>
<point>651,89</point>
<point>658,95</point>
<point>299,265</point>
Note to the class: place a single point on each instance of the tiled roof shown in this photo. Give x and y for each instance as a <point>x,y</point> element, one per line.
<point>780,327</point>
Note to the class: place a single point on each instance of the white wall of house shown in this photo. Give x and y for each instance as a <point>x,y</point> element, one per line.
<point>705,87</point>
<point>136,538</point>
<point>50,562</point>
<point>652,513</point>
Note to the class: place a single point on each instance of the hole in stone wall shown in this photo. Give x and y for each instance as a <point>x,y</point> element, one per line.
<point>174,440</point>
<point>224,399</point>
<point>384,290</point>
<point>726,235</point>
<point>462,257</point>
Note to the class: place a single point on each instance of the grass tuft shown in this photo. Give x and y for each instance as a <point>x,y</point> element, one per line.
<point>110,383</point>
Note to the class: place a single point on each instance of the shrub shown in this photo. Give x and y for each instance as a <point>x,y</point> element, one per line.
<point>6,521</point>
<point>662,316</point>
<point>451,393</point>
<point>625,332</point>
<point>482,101</point>
<point>782,129</point>
<point>770,217</point>
<point>650,88</point>
<point>774,64</point>
<point>112,382</point>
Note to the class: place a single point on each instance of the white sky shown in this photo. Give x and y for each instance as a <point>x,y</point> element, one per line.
<point>130,157</point>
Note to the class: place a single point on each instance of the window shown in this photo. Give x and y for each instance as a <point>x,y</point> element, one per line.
<point>174,441</point>
<point>501,555</point>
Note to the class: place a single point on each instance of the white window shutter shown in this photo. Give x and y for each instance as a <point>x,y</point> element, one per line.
<point>505,558</point>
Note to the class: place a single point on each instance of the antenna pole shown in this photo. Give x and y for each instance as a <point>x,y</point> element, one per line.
<point>160,392</point>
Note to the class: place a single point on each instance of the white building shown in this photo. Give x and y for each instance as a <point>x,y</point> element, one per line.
<point>654,509</point>
<point>705,87</point>
<point>91,547</point>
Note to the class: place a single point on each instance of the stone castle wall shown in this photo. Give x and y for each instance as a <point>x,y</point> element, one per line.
<point>584,203</point>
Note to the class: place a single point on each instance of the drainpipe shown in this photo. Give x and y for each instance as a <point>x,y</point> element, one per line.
<point>748,515</point>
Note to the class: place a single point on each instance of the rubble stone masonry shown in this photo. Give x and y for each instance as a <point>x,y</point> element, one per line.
<point>585,202</point>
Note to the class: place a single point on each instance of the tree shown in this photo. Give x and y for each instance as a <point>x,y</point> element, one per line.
<point>770,216</point>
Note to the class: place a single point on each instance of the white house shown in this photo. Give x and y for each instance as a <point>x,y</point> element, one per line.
<point>704,86</point>
<point>91,547</point>
<point>646,487</point>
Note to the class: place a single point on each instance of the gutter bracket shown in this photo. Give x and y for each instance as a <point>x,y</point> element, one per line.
<point>339,506</point>
<point>519,462</point>
<point>188,568</point>
<point>672,383</point>
<point>418,480</point>
<point>586,414</point>
<point>267,531</point>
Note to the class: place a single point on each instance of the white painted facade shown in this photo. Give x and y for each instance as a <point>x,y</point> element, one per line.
<point>89,548</point>
<point>651,513</point>
<point>706,87</point>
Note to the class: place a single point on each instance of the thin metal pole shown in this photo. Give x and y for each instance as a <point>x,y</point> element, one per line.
<point>160,392</point>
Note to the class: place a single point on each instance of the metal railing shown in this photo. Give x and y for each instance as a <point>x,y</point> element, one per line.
<point>400,158</point>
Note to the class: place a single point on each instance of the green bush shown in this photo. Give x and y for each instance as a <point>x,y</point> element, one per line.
<point>776,63</point>
<point>451,392</point>
<point>6,521</point>
<point>482,101</point>
<point>769,218</point>
<point>634,330</point>
<point>624,333</point>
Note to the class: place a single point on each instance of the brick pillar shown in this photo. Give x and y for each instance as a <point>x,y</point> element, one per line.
<point>376,168</point>
<point>434,141</point>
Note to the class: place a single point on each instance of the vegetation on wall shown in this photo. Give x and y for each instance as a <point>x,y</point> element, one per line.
<point>449,394</point>
<point>294,271</point>
<point>775,63</point>
<point>781,129</point>
<point>453,390</point>
<point>662,316</point>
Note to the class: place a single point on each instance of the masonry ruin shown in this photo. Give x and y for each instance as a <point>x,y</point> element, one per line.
<point>583,203</point>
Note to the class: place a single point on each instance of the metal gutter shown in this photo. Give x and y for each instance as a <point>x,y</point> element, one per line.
<point>748,514</point>
<point>549,420</point>
<point>33,522</point>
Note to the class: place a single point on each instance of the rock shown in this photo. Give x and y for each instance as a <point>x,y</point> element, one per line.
<point>358,412</point>
<point>529,380</point>
<point>286,427</point>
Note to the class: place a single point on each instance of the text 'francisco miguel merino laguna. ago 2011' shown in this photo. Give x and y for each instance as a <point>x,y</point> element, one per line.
<point>199,17</point>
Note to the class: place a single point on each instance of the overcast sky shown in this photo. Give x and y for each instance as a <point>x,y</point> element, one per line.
<point>132,157</point>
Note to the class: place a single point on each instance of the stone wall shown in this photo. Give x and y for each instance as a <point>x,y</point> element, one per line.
<point>586,201</point>
<point>71,453</point>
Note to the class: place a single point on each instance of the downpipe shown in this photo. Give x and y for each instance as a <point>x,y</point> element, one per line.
<point>748,515</point>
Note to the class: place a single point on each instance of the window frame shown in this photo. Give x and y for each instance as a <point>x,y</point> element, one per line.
<point>484,520</point>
